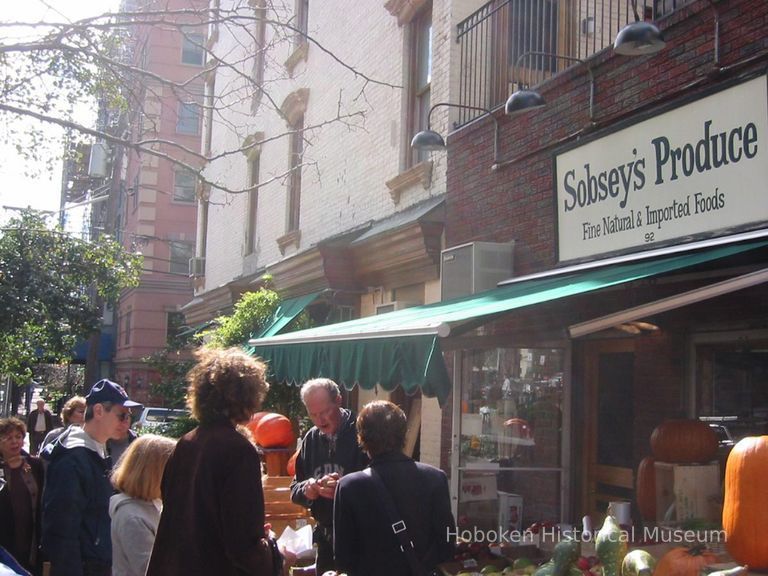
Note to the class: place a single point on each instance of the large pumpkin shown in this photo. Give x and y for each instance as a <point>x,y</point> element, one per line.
<point>745,508</point>
<point>274,431</point>
<point>684,561</point>
<point>684,442</point>
<point>645,489</point>
<point>291,466</point>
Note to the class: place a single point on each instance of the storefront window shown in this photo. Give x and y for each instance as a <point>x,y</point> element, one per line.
<point>732,388</point>
<point>510,437</point>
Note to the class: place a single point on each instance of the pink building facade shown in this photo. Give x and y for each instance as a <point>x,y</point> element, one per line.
<point>158,195</point>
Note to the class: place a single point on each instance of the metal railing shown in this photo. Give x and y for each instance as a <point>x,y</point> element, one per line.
<point>502,32</point>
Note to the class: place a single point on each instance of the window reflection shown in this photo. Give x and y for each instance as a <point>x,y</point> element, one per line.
<point>510,437</point>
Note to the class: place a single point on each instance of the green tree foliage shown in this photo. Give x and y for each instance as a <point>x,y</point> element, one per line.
<point>252,312</point>
<point>171,365</point>
<point>48,281</point>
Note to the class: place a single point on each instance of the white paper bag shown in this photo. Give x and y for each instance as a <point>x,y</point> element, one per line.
<point>297,542</point>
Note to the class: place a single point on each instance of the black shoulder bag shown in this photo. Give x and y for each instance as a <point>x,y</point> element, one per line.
<point>398,525</point>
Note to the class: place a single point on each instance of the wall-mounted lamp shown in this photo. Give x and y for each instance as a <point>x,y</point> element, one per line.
<point>126,381</point>
<point>639,38</point>
<point>430,140</point>
<point>139,382</point>
<point>524,100</point>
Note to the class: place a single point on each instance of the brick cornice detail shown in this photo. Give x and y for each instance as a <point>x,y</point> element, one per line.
<point>299,54</point>
<point>251,146</point>
<point>420,173</point>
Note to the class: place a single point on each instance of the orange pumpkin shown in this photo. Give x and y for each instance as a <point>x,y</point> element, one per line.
<point>645,489</point>
<point>684,442</point>
<point>745,507</point>
<point>291,466</point>
<point>253,422</point>
<point>256,418</point>
<point>274,431</point>
<point>684,561</point>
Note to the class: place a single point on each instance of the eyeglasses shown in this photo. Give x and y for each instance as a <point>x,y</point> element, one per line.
<point>123,416</point>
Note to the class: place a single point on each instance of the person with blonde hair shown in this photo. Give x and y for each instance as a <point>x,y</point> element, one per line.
<point>73,412</point>
<point>135,511</point>
<point>213,504</point>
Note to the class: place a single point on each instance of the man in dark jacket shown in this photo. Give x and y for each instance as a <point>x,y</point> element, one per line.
<point>76,525</point>
<point>364,540</point>
<point>39,423</point>
<point>328,451</point>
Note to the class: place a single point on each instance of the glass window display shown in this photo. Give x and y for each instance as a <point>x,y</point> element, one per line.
<point>510,437</point>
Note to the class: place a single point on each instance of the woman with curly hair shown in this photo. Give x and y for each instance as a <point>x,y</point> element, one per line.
<point>213,505</point>
<point>21,488</point>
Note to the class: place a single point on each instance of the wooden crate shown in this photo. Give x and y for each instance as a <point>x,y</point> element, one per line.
<point>278,508</point>
<point>693,488</point>
<point>276,460</point>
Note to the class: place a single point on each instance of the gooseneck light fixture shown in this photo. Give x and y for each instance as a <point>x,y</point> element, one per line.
<point>430,140</point>
<point>639,38</point>
<point>524,100</point>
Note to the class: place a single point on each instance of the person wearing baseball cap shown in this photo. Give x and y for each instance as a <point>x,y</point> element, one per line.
<point>76,524</point>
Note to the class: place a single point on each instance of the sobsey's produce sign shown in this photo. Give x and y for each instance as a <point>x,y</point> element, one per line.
<point>695,170</point>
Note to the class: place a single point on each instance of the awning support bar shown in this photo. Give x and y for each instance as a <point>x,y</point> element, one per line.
<point>670,303</point>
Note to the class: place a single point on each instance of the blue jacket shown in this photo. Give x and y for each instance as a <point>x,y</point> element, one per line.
<point>76,522</point>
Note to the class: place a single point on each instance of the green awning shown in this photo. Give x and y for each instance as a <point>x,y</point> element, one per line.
<point>403,347</point>
<point>287,311</point>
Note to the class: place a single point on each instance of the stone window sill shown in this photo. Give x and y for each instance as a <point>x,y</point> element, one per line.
<point>292,238</point>
<point>421,173</point>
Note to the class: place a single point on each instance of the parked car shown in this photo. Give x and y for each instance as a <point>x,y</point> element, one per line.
<point>152,417</point>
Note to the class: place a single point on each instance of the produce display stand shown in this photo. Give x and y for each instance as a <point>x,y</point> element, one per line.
<point>668,537</point>
<point>509,553</point>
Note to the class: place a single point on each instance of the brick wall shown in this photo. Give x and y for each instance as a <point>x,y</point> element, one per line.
<point>517,201</point>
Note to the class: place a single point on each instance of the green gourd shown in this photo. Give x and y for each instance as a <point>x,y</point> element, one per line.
<point>546,569</point>
<point>611,547</point>
<point>565,553</point>
<point>638,563</point>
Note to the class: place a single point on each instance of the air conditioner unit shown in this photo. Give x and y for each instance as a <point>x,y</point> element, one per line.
<point>197,267</point>
<point>97,163</point>
<point>392,306</point>
<point>474,267</point>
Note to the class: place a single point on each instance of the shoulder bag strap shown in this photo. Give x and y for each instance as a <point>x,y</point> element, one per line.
<point>398,525</point>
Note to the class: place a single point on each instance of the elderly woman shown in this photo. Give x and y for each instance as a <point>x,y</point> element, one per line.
<point>135,511</point>
<point>21,487</point>
<point>213,505</point>
<point>73,412</point>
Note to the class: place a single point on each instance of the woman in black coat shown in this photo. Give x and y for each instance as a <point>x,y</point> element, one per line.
<point>213,505</point>
<point>21,488</point>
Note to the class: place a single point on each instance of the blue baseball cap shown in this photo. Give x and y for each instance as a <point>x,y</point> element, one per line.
<point>108,391</point>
